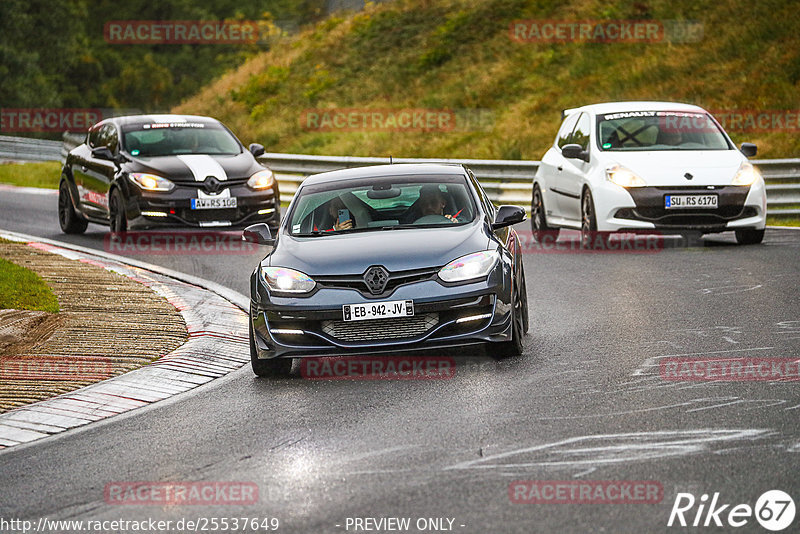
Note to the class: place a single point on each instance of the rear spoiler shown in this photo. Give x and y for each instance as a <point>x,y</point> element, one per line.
<point>565,112</point>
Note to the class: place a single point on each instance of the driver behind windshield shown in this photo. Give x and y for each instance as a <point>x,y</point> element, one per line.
<point>433,202</point>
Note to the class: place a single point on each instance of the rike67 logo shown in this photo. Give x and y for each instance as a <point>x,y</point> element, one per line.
<point>774,510</point>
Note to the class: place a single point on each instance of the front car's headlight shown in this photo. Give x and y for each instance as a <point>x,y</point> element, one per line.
<point>746,175</point>
<point>624,177</point>
<point>284,280</point>
<point>470,267</point>
<point>151,182</point>
<point>261,180</point>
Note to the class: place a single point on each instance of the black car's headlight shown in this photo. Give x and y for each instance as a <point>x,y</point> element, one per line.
<point>284,280</point>
<point>151,182</point>
<point>261,180</point>
<point>470,267</point>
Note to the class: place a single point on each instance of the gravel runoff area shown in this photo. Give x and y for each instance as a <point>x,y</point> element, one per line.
<point>108,325</point>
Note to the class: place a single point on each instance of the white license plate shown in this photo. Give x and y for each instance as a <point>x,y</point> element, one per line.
<point>378,310</point>
<point>672,202</point>
<point>213,203</point>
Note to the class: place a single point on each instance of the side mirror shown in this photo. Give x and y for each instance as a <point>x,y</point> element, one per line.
<point>258,234</point>
<point>574,151</point>
<point>256,149</point>
<point>508,215</point>
<point>102,152</point>
<point>749,149</point>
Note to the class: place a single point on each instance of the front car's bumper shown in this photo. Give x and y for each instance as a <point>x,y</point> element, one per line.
<point>438,321</point>
<point>643,208</point>
<point>252,207</point>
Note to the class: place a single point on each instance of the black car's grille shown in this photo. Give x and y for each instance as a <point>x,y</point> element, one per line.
<point>357,282</point>
<point>230,214</point>
<point>380,329</point>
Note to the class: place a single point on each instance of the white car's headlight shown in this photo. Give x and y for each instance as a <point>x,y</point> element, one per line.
<point>151,182</point>
<point>285,280</point>
<point>469,267</point>
<point>746,175</point>
<point>624,177</point>
<point>261,180</point>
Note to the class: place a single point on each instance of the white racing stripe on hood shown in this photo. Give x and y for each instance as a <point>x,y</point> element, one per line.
<point>203,166</point>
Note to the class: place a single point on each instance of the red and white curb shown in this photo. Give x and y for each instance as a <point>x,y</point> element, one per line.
<point>217,344</point>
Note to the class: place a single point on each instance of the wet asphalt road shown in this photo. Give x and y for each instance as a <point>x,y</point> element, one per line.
<point>585,402</point>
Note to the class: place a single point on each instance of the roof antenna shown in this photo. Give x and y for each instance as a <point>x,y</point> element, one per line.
<point>390,159</point>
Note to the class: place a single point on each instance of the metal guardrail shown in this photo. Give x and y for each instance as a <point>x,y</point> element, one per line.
<point>28,149</point>
<point>506,181</point>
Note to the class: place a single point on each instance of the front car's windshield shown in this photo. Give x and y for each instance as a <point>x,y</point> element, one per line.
<point>659,130</point>
<point>175,138</point>
<point>375,204</point>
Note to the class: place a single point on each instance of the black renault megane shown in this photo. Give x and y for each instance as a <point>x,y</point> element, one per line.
<point>377,260</point>
<point>147,171</point>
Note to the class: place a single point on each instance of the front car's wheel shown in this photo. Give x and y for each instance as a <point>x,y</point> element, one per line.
<point>273,368</point>
<point>749,236</point>
<point>514,346</point>
<point>539,226</point>
<point>67,218</point>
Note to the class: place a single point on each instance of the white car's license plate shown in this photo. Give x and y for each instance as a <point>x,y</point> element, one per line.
<point>378,310</point>
<point>213,203</point>
<point>672,202</point>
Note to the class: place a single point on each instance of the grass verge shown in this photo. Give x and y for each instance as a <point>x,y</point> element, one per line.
<point>22,289</point>
<point>44,174</point>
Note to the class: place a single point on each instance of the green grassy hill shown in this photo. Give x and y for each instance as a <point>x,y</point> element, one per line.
<point>458,55</point>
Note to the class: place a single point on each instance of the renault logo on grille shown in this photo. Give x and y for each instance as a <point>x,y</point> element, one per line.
<point>211,185</point>
<point>376,279</point>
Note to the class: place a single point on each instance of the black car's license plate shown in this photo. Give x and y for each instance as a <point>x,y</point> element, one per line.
<point>213,203</point>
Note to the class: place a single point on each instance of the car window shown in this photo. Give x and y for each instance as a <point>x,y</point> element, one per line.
<point>580,136</point>
<point>380,203</point>
<point>94,136</point>
<point>108,138</point>
<point>659,130</point>
<point>564,133</point>
<point>170,139</point>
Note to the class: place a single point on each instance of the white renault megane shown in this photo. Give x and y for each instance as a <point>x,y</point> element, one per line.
<point>647,166</point>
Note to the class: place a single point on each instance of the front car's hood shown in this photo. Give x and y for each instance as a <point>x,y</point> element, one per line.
<point>396,250</point>
<point>668,168</point>
<point>196,167</point>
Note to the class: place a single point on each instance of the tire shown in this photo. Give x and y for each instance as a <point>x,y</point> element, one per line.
<point>116,213</point>
<point>748,236</point>
<point>67,218</point>
<point>539,226</point>
<point>590,237</point>
<point>274,368</point>
<point>514,347</point>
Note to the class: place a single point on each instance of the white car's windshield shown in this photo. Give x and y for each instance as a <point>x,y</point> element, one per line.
<point>659,130</point>
<point>380,204</point>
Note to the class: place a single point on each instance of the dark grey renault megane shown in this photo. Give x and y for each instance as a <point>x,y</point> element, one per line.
<point>378,260</point>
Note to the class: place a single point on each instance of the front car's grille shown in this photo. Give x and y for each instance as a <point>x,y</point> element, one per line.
<point>396,279</point>
<point>378,329</point>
